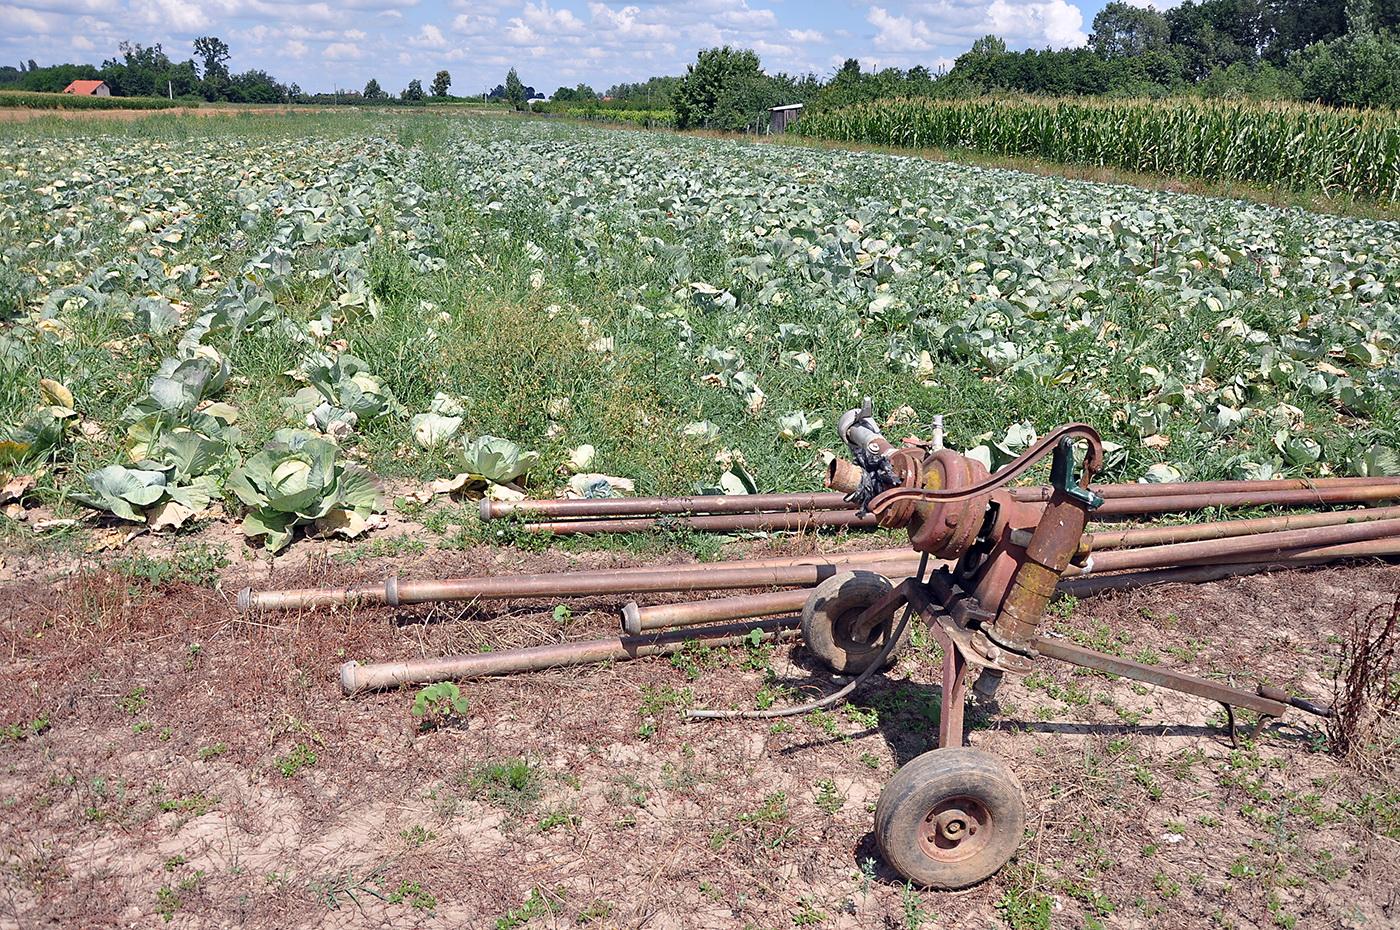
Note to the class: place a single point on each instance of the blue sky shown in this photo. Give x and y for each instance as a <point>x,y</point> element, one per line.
<point>322,45</point>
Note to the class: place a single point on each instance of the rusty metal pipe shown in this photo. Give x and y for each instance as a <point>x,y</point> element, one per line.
<point>637,620</point>
<point>1166,535</point>
<point>395,593</point>
<point>1369,548</point>
<point>1168,502</point>
<point>355,677</point>
<point>1257,547</point>
<point>655,506</point>
<point>1173,489</point>
<point>842,475</point>
<point>1089,585</point>
<point>754,522</point>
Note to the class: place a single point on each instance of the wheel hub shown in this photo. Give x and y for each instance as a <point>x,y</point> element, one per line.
<point>845,633</point>
<point>957,828</point>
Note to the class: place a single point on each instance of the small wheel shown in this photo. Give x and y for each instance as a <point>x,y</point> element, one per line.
<point>831,611</point>
<point>950,818</point>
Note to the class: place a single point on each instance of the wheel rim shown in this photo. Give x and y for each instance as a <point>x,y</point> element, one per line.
<point>955,829</point>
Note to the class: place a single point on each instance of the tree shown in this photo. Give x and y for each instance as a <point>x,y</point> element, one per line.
<point>373,91</point>
<point>140,72</point>
<point>988,45</point>
<point>441,81</point>
<point>414,91</point>
<point>514,90</point>
<point>1121,29</point>
<point>213,52</point>
<point>697,95</point>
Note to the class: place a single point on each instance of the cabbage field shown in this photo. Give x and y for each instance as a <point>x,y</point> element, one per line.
<point>290,322</point>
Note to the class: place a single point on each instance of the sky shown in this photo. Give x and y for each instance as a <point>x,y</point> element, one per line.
<point>323,45</point>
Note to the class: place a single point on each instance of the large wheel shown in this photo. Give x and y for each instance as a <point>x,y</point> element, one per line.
<point>950,818</point>
<point>831,611</point>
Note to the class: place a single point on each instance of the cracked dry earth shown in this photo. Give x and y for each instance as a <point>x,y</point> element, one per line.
<point>195,768</point>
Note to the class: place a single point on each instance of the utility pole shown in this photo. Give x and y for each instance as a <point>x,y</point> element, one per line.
<point>169,90</point>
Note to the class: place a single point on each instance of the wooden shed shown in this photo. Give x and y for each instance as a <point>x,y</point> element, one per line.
<point>780,118</point>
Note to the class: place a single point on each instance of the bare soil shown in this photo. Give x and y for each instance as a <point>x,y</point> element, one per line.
<point>196,768</point>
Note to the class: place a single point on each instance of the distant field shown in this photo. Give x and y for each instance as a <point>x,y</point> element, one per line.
<point>38,101</point>
<point>1300,147</point>
<point>668,300</point>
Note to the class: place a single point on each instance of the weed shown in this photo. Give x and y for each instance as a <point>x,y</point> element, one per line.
<point>557,818</point>
<point>190,805</point>
<point>536,905</point>
<point>828,798</point>
<point>170,898</point>
<point>213,751</point>
<point>870,760</point>
<point>413,894</point>
<point>135,700</point>
<point>15,732</point>
<point>513,784</point>
<point>417,835</point>
<point>913,905</point>
<point>694,658</point>
<point>301,757</point>
<point>439,704</point>
<point>807,914</point>
<point>774,809</point>
<point>598,910</point>
<point>1022,906</point>
<point>197,565</point>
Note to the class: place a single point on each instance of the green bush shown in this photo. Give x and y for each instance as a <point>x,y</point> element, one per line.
<point>31,100</point>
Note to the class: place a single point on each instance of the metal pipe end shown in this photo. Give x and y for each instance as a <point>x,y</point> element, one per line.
<point>349,677</point>
<point>245,600</point>
<point>632,619</point>
<point>391,591</point>
<point>486,509</point>
<point>842,475</point>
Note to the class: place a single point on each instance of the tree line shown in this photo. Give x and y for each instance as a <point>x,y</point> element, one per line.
<point>1326,51</point>
<point>1336,52</point>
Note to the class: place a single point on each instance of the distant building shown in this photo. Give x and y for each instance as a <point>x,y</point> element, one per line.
<point>534,100</point>
<point>783,117</point>
<point>89,89</point>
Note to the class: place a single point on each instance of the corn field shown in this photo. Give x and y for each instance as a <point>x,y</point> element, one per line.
<point>1300,147</point>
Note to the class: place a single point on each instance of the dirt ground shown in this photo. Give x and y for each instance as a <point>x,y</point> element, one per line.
<point>167,761</point>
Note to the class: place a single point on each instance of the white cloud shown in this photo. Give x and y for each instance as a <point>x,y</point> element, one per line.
<point>900,33</point>
<point>295,49</point>
<point>1056,22</point>
<point>82,43</point>
<point>805,36</point>
<point>29,21</point>
<point>543,19</point>
<point>342,51</point>
<point>178,15</point>
<point>429,36</point>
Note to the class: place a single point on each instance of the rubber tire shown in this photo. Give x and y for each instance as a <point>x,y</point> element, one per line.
<point>923,783</point>
<point>837,596</point>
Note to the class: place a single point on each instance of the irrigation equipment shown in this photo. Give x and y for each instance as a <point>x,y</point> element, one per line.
<point>985,558</point>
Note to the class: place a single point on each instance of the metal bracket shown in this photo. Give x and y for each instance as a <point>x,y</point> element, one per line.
<point>1062,475</point>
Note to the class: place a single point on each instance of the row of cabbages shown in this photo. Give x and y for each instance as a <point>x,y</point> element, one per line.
<point>177,438</point>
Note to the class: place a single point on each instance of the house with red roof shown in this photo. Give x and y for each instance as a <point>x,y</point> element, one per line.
<point>89,89</point>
